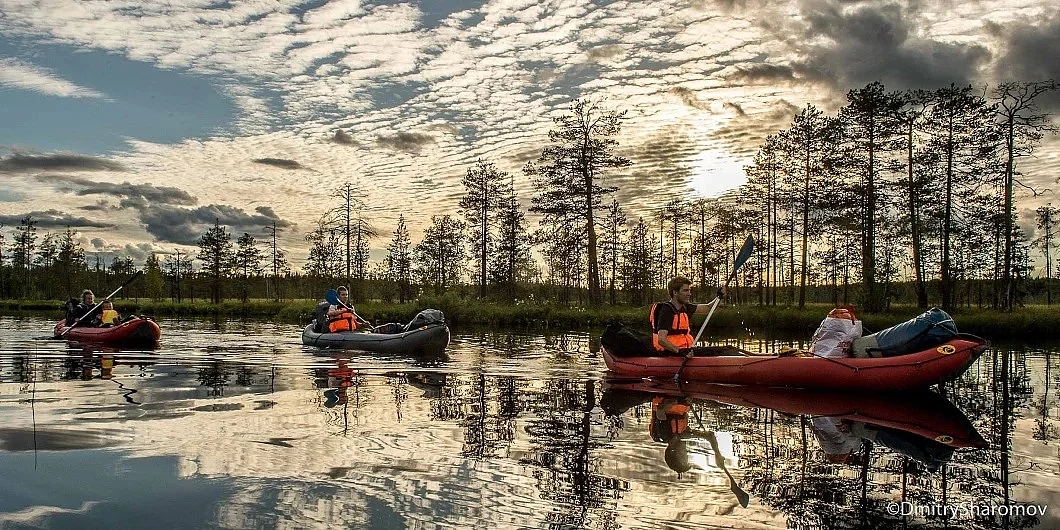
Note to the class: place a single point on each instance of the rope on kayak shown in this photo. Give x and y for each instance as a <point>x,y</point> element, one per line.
<point>860,368</point>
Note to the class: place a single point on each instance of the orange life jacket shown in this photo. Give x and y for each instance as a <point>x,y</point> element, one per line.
<point>676,421</point>
<point>680,332</point>
<point>342,322</point>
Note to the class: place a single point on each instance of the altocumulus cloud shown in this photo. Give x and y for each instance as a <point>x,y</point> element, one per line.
<point>20,74</point>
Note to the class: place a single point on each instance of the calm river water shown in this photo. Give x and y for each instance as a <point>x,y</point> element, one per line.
<point>237,425</point>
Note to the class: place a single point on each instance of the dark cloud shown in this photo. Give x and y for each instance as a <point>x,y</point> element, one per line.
<point>186,225</point>
<point>1030,52</point>
<point>131,195</point>
<point>745,135</point>
<point>736,107</point>
<point>880,43</point>
<point>21,163</point>
<point>343,138</point>
<point>53,219</point>
<point>689,98</point>
<point>100,206</point>
<point>764,73</point>
<point>282,163</point>
<point>404,141</point>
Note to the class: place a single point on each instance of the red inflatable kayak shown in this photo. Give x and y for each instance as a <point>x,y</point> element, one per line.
<point>728,365</point>
<point>133,331</point>
<point>921,412</point>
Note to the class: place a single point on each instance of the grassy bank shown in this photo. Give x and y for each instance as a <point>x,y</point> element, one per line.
<point>1029,323</point>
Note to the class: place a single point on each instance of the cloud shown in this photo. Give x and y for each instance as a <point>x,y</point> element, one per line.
<point>688,97</point>
<point>132,195</point>
<point>763,73</point>
<point>404,141</point>
<point>1030,52</point>
<point>22,163</point>
<point>866,43</point>
<point>53,219</point>
<point>279,162</point>
<point>185,226</point>
<point>98,243</point>
<point>343,138</point>
<point>19,74</point>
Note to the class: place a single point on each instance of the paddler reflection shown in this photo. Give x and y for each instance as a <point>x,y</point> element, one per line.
<point>684,445</point>
<point>339,379</point>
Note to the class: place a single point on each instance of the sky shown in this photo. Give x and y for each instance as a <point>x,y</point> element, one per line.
<point>138,123</point>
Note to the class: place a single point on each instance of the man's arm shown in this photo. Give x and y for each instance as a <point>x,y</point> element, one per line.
<point>705,308</point>
<point>665,342</point>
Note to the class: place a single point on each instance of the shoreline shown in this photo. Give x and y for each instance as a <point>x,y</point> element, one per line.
<point>1028,323</point>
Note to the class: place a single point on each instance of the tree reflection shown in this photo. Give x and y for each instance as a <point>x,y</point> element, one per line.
<point>565,440</point>
<point>215,376</point>
<point>816,493</point>
<point>892,461</point>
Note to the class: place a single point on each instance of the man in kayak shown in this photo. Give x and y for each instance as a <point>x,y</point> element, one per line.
<point>669,320</point>
<point>342,316</point>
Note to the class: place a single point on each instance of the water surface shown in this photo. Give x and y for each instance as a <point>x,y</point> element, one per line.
<point>237,425</point>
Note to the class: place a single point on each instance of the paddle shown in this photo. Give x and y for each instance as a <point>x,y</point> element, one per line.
<point>719,461</point>
<point>332,297</point>
<point>741,258</point>
<point>94,308</point>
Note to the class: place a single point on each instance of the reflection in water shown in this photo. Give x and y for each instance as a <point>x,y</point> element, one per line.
<point>510,431</point>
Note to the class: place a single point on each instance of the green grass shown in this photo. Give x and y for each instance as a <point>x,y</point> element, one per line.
<point>1033,322</point>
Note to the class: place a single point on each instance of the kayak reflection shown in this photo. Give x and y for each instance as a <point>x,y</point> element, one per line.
<point>921,425</point>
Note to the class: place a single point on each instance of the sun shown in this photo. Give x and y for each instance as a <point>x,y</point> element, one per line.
<point>715,172</point>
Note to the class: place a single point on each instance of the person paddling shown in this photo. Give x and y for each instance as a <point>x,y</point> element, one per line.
<point>669,320</point>
<point>88,301</point>
<point>342,316</point>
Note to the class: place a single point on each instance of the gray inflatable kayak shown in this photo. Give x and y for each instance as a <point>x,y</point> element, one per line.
<point>426,334</point>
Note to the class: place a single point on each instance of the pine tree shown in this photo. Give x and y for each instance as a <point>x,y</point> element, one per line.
<point>569,173</point>
<point>247,261</point>
<point>487,189</point>
<point>215,251</point>
<point>637,271</point>
<point>154,280</point>
<point>399,261</point>
<point>440,255</point>
<point>511,262</point>
<point>870,127</point>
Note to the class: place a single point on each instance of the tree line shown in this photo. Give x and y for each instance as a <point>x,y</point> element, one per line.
<point>905,196</point>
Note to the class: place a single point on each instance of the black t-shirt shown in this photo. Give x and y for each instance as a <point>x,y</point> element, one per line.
<point>664,315</point>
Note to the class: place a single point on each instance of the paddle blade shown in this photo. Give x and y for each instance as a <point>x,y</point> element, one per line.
<point>745,252</point>
<point>332,297</point>
<point>741,495</point>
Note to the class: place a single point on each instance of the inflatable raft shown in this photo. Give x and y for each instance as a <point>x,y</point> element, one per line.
<point>729,365</point>
<point>134,331</point>
<point>628,353</point>
<point>427,334</point>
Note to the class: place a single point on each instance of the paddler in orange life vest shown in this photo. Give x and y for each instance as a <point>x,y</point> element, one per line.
<point>343,318</point>
<point>670,320</point>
